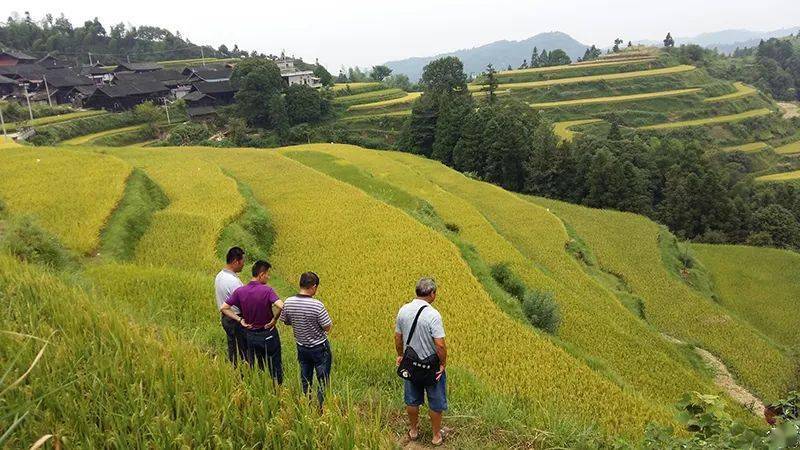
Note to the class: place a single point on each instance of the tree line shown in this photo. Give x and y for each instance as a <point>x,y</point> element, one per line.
<point>504,141</point>
<point>117,43</point>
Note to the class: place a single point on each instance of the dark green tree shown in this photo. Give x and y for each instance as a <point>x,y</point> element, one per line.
<point>469,153</point>
<point>558,57</point>
<point>378,73</point>
<point>304,104</point>
<point>617,43</point>
<point>535,58</point>
<point>491,84</point>
<point>259,81</point>
<point>324,76</point>
<point>449,125</point>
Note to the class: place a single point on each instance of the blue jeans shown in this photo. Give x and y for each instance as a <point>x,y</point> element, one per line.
<point>317,358</point>
<point>414,395</point>
<point>265,345</point>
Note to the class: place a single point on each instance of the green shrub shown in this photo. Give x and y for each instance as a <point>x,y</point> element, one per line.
<point>542,310</point>
<point>24,239</point>
<point>508,280</point>
<point>188,133</point>
<point>52,134</point>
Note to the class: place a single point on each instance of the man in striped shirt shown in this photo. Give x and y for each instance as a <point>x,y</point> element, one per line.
<point>310,322</point>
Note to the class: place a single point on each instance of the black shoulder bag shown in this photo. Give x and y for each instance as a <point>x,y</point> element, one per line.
<point>421,372</point>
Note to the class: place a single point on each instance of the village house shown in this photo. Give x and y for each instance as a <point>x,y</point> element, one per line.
<point>294,75</point>
<point>137,67</point>
<point>13,58</point>
<point>126,94</point>
<point>211,74</point>
<point>97,72</point>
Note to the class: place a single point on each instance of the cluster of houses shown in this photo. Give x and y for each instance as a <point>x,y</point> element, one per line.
<point>121,87</point>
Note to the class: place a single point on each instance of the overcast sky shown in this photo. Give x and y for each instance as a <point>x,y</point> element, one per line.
<point>360,32</point>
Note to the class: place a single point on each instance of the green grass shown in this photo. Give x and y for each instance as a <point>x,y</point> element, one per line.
<point>742,90</point>
<point>759,285</point>
<point>710,120</point>
<point>14,126</point>
<point>131,218</point>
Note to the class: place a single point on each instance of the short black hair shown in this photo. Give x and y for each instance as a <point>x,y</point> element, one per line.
<point>234,254</point>
<point>260,267</point>
<point>309,280</point>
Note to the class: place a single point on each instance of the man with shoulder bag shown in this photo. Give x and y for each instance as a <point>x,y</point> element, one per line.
<point>421,359</point>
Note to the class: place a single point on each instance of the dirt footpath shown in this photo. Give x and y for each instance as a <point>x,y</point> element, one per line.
<point>789,110</point>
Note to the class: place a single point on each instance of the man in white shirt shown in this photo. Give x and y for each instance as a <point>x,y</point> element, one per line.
<point>225,283</point>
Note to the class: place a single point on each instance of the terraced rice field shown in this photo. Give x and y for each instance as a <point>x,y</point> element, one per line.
<point>69,193</point>
<point>615,99</point>
<point>590,78</point>
<point>789,149</point>
<point>405,112</point>
<point>672,305</point>
<point>785,176</point>
<point>742,90</point>
<point>369,97</point>
<point>576,65</point>
<point>356,88</point>
<point>408,98</point>
<point>87,139</point>
<point>760,285</point>
<point>562,129</point>
<point>710,120</point>
<point>14,126</point>
<point>752,147</point>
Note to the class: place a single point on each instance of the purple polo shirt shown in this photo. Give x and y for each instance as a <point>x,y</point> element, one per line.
<point>255,301</point>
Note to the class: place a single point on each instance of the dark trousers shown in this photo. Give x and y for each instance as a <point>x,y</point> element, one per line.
<point>318,358</point>
<point>265,345</point>
<point>237,343</point>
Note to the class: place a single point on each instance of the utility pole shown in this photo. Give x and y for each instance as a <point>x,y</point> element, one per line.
<point>166,108</point>
<point>28,98</point>
<point>203,56</point>
<point>3,125</point>
<point>129,58</point>
<point>47,90</point>
<point>90,59</point>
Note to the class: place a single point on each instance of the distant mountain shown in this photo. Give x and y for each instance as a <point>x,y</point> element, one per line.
<point>726,41</point>
<point>500,54</point>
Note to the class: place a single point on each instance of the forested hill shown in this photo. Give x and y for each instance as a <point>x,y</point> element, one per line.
<point>108,43</point>
<point>726,41</point>
<point>500,53</point>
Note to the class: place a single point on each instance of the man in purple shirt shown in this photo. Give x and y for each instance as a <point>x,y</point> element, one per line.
<point>255,300</point>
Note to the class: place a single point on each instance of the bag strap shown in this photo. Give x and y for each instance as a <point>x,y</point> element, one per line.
<point>414,326</point>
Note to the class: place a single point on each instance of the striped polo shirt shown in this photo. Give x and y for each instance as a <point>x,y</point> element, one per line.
<point>306,315</point>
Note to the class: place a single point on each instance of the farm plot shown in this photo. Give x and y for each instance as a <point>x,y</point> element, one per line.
<point>742,90</point>
<point>408,98</point>
<point>759,285</point>
<point>346,89</point>
<point>562,129</point>
<point>70,194</point>
<point>752,147</point>
<point>586,307</point>
<point>588,64</point>
<point>710,120</point>
<point>785,176</point>
<point>202,201</point>
<point>615,99</point>
<point>789,149</point>
<point>363,231</point>
<point>591,78</point>
<point>672,305</point>
<point>369,97</point>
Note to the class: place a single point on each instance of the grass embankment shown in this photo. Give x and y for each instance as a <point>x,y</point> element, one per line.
<point>562,129</point>
<point>615,99</point>
<point>14,126</point>
<point>591,78</point>
<point>71,194</point>
<point>759,285</point>
<point>131,217</point>
<point>742,90</point>
<point>671,304</point>
<point>575,65</point>
<point>89,138</point>
<point>360,117</point>
<point>710,120</point>
<point>345,89</point>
